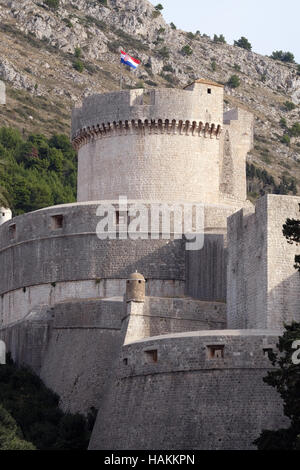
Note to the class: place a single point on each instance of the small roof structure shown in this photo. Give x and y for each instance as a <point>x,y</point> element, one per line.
<point>205,81</point>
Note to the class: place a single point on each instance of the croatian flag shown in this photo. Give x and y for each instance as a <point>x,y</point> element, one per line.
<point>127,60</point>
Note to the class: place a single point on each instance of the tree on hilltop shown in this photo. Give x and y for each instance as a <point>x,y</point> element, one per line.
<point>283,56</point>
<point>243,43</point>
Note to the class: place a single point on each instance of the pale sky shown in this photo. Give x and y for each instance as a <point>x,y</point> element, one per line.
<point>269,25</point>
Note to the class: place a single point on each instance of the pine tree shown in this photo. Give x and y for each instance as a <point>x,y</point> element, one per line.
<point>286,379</point>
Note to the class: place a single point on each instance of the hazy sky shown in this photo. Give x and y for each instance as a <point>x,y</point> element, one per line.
<point>268,24</point>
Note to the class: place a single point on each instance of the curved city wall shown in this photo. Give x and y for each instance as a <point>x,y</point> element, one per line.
<point>191,391</point>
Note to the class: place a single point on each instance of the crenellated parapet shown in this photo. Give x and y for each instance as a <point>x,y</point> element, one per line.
<point>146,127</point>
<point>201,101</point>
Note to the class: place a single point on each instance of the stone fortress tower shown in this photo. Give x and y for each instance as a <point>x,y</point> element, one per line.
<point>169,345</point>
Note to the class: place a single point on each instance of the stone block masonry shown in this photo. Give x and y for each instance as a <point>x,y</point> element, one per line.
<point>263,285</point>
<point>190,391</point>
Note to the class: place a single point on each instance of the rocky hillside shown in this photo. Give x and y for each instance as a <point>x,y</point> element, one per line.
<point>50,58</point>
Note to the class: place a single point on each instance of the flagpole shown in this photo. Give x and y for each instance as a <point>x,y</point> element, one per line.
<point>121,77</point>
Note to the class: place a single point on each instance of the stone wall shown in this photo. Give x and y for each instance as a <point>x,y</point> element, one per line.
<point>193,104</point>
<point>206,270</point>
<point>33,252</point>
<point>16,304</point>
<point>160,166</point>
<point>158,316</point>
<point>236,142</point>
<point>263,285</point>
<point>170,393</point>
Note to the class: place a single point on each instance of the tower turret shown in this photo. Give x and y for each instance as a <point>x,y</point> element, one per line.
<point>161,145</point>
<point>5,215</point>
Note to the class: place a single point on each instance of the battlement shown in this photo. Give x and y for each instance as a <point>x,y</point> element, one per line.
<point>200,101</point>
<point>184,128</point>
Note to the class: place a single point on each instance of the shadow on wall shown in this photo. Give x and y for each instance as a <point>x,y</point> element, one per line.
<point>283,302</point>
<point>206,270</point>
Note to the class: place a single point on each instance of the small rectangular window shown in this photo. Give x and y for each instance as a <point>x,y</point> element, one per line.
<point>209,91</point>
<point>125,361</point>
<point>151,356</point>
<point>215,351</point>
<point>267,351</point>
<point>57,222</point>
<point>12,229</point>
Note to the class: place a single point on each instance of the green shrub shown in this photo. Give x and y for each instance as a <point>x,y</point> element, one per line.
<point>129,41</point>
<point>234,81</point>
<point>295,130</point>
<point>11,437</point>
<point>187,50</point>
<point>173,26</point>
<point>151,83</point>
<point>114,46</point>
<point>283,56</point>
<point>170,78</point>
<point>237,67</point>
<point>159,7</point>
<point>103,2</point>
<point>155,14</point>
<point>164,53</point>
<point>283,123</point>
<point>68,22</point>
<point>39,172</point>
<point>190,36</point>
<point>285,139</point>
<point>78,65</point>
<point>168,68</point>
<point>263,77</point>
<point>53,4</point>
<point>219,39</point>
<point>34,408</point>
<point>213,65</point>
<point>77,52</point>
<point>289,105</point>
<point>243,43</point>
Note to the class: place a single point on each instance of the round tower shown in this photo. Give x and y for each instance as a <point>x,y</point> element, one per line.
<point>5,215</point>
<point>135,288</point>
<point>161,145</point>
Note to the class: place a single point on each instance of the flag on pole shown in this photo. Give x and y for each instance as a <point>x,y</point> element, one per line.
<point>127,60</point>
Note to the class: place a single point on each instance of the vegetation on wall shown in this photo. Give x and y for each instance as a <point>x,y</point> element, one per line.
<point>37,172</point>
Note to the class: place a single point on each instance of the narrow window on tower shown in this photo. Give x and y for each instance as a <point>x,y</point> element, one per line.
<point>215,351</point>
